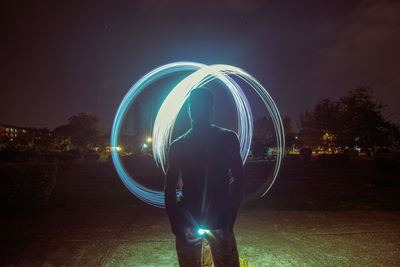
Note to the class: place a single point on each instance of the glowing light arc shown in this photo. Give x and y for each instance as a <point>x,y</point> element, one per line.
<point>170,108</point>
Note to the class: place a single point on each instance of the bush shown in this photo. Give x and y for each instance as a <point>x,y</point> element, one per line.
<point>351,152</point>
<point>26,186</point>
<point>75,153</point>
<point>14,152</point>
<point>334,160</point>
<point>306,153</point>
<point>385,162</point>
<point>8,152</point>
<point>50,156</point>
<point>65,159</point>
<point>93,156</point>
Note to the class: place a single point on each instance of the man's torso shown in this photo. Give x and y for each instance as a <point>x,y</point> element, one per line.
<point>204,159</point>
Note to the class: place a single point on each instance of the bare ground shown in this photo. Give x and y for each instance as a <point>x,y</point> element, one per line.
<point>310,218</point>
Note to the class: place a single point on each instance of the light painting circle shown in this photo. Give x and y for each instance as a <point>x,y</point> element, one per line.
<point>165,119</point>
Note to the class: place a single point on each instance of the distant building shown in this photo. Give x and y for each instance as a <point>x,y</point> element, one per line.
<point>9,132</point>
<point>15,133</point>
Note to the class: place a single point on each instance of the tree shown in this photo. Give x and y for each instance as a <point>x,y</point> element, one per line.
<point>356,120</point>
<point>82,131</point>
<point>363,121</point>
<point>290,134</point>
<point>264,132</point>
<point>321,126</point>
<point>134,143</point>
<point>262,136</point>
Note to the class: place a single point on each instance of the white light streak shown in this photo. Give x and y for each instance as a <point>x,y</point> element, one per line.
<point>170,108</point>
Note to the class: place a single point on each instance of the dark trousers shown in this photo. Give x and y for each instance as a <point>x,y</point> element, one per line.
<point>222,244</point>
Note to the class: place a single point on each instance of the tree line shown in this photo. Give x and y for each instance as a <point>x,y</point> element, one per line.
<point>81,134</point>
<point>355,122</point>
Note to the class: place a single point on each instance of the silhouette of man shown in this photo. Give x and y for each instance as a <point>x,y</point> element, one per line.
<point>206,161</point>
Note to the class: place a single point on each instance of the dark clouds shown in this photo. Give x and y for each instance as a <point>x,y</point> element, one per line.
<point>61,58</point>
<point>363,50</point>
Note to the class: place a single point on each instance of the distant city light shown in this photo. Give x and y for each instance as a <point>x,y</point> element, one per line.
<point>116,148</point>
<point>144,145</point>
<point>149,139</point>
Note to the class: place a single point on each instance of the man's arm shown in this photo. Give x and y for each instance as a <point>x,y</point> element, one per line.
<point>237,187</point>
<point>171,182</point>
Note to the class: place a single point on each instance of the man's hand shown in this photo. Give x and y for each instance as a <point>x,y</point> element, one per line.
<point>178,230</point>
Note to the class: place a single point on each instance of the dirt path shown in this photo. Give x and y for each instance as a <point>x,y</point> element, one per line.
<point>282,238</point>
<point>140,236</point>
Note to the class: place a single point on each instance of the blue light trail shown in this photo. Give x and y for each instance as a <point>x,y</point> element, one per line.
<point>165,119</point>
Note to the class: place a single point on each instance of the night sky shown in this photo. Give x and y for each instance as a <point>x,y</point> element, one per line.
<point>59,58</point>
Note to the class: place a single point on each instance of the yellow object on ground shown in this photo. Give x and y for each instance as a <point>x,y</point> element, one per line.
<point>206,257</point>
<point>244,262</point>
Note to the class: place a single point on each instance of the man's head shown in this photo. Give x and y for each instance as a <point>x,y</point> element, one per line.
<point>201,105</point>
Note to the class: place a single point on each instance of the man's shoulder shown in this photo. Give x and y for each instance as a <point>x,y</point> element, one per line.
<point>181,140</point>
<point>226,133</point>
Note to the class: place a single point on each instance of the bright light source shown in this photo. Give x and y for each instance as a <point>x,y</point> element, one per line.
<point>202,231</point>
<point>144,145</point>
<point>148,139</point>
<point>116,148</point>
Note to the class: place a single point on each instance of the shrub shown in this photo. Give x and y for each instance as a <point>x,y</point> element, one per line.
<point>306,153</point>
<point>75,153</point>
<point>65,159</point>
<point>351,152</point>
<point>50,156</point>
<point>14,152</point>
<point>334,160</point>
<point>91,156</point>
<point>385,162</point>
<point>26,186</point>
<point>8,153</point>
